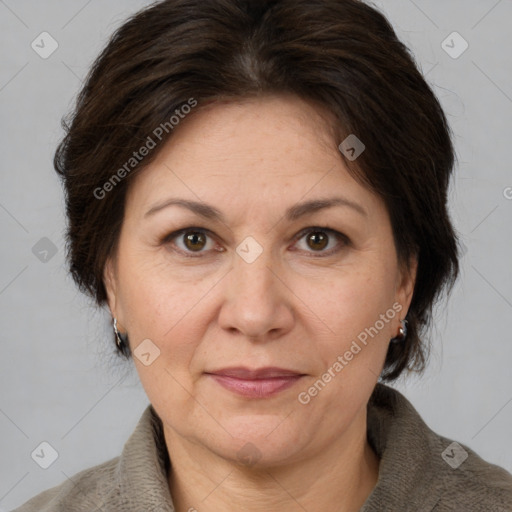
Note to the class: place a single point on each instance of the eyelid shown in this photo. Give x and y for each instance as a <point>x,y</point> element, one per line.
<point>175,234</point>
<point>312,229</point>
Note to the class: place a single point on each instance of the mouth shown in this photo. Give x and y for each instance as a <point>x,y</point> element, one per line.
<point>255,383</point>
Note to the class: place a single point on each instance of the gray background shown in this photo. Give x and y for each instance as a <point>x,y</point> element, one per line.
<point>59,380</point>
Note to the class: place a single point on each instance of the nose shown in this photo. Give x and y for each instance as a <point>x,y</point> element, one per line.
<point>257,302</point>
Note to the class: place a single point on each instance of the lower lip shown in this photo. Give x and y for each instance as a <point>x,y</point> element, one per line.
<point>256,388</point>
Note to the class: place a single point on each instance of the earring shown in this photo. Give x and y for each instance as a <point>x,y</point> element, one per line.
<point>120,338</point>
<point>402,333</point>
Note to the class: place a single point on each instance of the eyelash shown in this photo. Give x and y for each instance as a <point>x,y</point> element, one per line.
<point>340,236</point>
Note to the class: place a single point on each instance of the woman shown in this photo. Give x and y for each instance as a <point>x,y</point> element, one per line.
<point>252,191</point>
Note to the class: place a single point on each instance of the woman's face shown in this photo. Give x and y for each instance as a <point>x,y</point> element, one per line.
<point>253,275</point>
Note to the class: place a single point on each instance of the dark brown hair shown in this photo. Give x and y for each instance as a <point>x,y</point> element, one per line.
<point>341,54</point>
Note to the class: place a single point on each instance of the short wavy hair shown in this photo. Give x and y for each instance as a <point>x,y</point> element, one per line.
<point>342,55</point>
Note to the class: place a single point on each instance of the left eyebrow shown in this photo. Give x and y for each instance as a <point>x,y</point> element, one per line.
<point>293,213</point>
<point>314,205</point>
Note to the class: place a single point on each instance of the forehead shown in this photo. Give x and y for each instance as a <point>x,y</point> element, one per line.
<point>259,150</point>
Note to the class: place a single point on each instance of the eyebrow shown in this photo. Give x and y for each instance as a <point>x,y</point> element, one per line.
<point>293,213</point>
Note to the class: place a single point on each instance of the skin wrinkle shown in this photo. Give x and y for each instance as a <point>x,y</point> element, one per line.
<point>252,160</point>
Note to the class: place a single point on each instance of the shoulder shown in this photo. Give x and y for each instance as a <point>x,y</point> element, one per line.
<point>136,480</point>
<point>471,482</point>
<point>87,490</point>
<point>427,470</point>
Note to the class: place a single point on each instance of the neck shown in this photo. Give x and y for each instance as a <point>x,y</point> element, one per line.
<point>340,477</point>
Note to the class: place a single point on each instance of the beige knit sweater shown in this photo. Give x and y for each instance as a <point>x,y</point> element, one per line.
<point>419,470</point>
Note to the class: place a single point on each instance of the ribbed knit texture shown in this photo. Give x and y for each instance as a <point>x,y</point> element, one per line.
<point>413,476</point>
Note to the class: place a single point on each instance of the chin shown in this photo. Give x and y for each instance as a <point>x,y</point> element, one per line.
<point>258,442</point>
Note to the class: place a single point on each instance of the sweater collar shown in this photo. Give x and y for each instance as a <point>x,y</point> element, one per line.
<point>143,468</point>
<point>409,453</point>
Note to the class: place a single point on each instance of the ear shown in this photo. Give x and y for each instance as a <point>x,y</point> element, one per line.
<point>406,282</point>
<point>110,282</point>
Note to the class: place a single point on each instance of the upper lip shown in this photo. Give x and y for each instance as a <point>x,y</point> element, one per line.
<point>241,372</point>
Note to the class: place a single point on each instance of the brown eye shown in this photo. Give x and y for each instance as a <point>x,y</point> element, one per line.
<point>190,242</point>
<point>322,241</point>
<point>194,240</point>
<point>317,240</point>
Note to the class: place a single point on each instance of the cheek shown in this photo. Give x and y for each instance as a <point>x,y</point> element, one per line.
<point>172,315</point>
<point>357,308</point>
<point>359,314</point>
<point>158,306</point>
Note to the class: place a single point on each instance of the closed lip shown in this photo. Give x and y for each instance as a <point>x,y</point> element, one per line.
<point>241,372</point>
